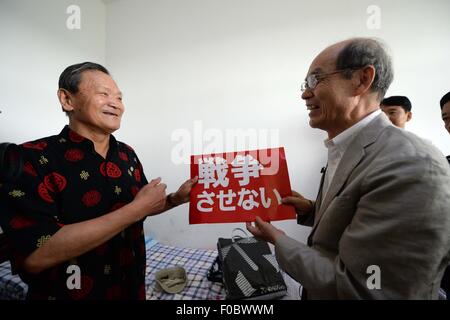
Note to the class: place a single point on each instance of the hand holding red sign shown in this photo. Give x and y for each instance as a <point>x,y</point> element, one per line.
<point>238,186</point>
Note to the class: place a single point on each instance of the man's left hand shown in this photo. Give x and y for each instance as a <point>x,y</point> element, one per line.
<point>264,230</point>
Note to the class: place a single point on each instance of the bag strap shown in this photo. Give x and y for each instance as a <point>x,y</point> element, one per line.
<point>235,236</point>
<point>215,273</point>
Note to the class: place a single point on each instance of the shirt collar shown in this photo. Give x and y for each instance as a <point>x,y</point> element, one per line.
<point>342,140</point>
<point>74,138</point>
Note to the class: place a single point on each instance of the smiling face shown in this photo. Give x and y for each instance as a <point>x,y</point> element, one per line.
<point>97,106</point>
<point>397,115</point>
<point>331,102</point>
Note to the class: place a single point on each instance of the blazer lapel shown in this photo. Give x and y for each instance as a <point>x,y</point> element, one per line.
<point>351,158</point>
<point>349,161</point>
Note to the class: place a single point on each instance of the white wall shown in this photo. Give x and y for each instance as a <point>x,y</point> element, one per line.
<point>239,64</point>
<point>229,63</point>
<point>35,47</point>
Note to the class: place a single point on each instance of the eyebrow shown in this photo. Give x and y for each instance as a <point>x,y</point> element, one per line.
<point>316,70</point>
<point>109,89</point>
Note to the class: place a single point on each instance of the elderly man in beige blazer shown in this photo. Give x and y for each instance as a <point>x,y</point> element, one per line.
<point>381,221</point>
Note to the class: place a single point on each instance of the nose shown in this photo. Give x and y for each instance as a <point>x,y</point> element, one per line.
<point>115,103</point>
<point>307,94</point>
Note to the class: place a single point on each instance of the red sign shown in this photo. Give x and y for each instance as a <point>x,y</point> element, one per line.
<point>238,186</point>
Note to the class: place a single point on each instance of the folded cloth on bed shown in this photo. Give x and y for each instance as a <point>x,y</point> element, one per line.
<point>171,280</point>
<point>196,262</point>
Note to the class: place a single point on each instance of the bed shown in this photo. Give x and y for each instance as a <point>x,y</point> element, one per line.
<point>196,262</point>
<point>11,286</point>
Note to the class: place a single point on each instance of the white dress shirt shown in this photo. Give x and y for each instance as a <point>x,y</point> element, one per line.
<point>339,144</point>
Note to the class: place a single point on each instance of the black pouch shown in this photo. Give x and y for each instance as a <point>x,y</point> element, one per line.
<point>249,269</point>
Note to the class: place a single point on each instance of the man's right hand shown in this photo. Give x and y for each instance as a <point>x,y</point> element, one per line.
<point>73,240</point>
<point>300,203</point>
<point>151,199</point>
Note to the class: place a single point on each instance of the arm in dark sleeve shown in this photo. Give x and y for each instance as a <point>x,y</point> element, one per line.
<point>308,218</point>
<point>28,214</point>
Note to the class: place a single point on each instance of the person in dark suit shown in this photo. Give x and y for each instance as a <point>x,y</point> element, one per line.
<point>445,111</point>
<point>380,224</point>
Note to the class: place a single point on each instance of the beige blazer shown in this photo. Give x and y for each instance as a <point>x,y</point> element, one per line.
<point>387,207</point>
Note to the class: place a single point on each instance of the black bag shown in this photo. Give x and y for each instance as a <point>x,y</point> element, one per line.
<point>5,253</point>
<point>249,269</point>
<point>11,165</point>
<point>11,162</point>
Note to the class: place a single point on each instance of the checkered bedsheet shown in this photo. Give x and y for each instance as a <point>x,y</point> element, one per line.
<point>196,262</point>
<point>11,286</point>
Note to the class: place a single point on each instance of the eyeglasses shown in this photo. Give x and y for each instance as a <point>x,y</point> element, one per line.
<point>313,80</point>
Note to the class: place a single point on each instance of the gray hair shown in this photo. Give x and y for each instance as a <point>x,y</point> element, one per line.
<point>361,52</point>
<point>71,76</point>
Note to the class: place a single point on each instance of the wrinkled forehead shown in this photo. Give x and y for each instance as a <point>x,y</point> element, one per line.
<point>92,79</point>
<point>326,60</point>
<point>392,108</point>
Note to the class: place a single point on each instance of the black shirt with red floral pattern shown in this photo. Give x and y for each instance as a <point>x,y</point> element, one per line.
<point>64,181</point>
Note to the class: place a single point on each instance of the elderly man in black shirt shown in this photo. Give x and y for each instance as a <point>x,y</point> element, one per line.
<point>81,199</point>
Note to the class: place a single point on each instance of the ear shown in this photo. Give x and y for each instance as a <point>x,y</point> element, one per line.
<point>364,78</point>
<point>65,99</point>
<point>408,116</point>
